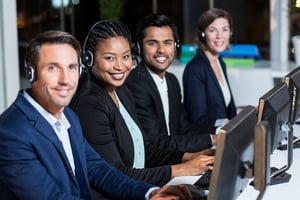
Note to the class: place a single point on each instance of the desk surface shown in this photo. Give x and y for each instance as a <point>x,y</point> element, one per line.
<point>288,191</point>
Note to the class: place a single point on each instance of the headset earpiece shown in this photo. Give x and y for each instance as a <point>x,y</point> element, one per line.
<point>137,49</point>
<point>201,36</point>
<point>87,58</point>
<point>30,71</point>
<point>177,44</point>
<point>81,67</point>
<point>87,55</point>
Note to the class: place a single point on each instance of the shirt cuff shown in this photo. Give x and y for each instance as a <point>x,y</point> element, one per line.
<point>218,129</point>
<point>220,122</point>
<point>147,195</point>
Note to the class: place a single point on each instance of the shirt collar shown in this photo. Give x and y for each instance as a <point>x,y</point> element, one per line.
<point>156,78</point>
<point>48,116</point>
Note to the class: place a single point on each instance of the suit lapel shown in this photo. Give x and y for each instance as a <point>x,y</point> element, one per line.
<point>45,129</point>
<point>154,91</point>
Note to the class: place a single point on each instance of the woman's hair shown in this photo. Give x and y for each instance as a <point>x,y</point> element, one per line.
<point>102,30</point>
<point>210,15</point>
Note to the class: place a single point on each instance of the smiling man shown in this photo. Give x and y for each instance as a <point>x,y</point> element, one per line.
<point>157,92</point>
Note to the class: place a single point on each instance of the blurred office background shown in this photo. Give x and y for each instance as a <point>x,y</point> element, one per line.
<point>21,20</point>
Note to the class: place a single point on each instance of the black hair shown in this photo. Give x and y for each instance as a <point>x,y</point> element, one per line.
<point>157,20</point>
<point>102,30</point>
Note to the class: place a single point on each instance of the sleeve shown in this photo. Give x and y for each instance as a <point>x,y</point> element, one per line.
<point>194,86</point>
<point>22,172</point>
<point>111,181</point>
<point>97,123</point>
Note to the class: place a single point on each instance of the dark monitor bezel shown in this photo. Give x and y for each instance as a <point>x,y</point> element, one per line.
<point>236,141</point>
<point>292,80</point>
<point>277,102</point>
<point>274,101</point>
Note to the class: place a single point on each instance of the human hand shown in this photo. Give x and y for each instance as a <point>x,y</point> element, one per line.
<point>207,152</point>
<point>189,156</point>
<point>171,192</point>
<point>195,166</point>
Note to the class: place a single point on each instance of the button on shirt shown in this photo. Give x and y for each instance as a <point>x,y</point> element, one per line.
<point>60,127</point>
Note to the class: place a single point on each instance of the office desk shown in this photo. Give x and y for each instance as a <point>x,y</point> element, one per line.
<point>289,190</point>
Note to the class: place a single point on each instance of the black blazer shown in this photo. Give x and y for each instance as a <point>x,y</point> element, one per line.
<point>185,136</point>
<point>106,131</point>
<point>203,97</point>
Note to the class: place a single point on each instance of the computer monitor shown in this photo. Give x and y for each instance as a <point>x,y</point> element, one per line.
<point>262,152</point>
<point>234,159</point>
<point>274,107</point>
<point>292,80</point>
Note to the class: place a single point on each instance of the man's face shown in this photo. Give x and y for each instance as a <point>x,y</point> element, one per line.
<point>158,48</point>
<point>57,77</point>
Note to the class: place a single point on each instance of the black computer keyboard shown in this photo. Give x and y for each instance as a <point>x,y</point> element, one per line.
<point>197,192</point>
<point>203,181</point>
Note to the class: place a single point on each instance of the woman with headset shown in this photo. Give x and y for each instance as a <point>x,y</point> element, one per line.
<point>106,110</point>
<point>207,95</point>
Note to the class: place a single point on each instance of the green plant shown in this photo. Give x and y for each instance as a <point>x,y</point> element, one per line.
<point>111,9</point>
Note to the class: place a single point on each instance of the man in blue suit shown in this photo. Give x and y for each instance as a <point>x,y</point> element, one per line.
<point>43,153</point>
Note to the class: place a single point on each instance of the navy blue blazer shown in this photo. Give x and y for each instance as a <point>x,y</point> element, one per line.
<point>106,131</point>
<point>185,136</point>
<point>203,97</point>
<point>33,164</point>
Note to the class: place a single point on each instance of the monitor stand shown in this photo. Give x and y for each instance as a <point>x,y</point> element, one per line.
<point>296,144</point>
<point>282,177</point>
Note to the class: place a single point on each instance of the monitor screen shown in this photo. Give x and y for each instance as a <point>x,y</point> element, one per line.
<point>234,156</point>
<point>292,80</point>
<point>274,107</point>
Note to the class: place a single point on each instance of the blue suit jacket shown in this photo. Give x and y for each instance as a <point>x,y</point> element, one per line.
<point>203,97</point>
<point>33,164</point>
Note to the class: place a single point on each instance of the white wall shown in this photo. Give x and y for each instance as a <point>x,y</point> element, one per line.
<point>9,59</point>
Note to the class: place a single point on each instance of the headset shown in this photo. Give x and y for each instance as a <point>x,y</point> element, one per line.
<point>201,35</point>
<point>138,47</point>
<point>87,55</point>
<point>30,71</point>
